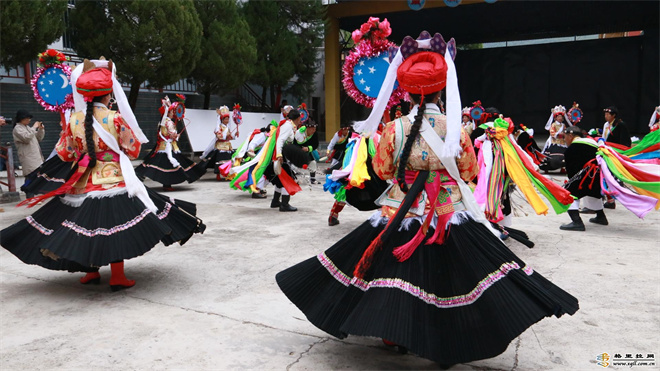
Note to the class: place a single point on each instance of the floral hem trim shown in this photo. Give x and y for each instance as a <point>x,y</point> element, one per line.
<point>47,178</point>
<point>440,302</point>
<point>104,231</point>
<point>162,169</point>
<point>38,226</point>
<point>163,214</point>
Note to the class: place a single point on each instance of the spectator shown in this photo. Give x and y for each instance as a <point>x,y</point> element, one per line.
<point>27,140</point>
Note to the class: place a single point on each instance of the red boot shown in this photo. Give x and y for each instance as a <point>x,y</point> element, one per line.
<point>337,207</point>
<point>118,280</point>
<point>91,277</point>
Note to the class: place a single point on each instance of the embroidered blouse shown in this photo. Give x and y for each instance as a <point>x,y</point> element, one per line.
<point>421,157</point>
<point>106,174</point>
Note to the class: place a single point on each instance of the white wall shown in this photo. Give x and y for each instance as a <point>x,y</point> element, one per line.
<point>201,124</point>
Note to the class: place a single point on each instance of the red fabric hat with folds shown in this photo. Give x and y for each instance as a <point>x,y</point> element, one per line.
<point>96,82</point>
<point>423,73</point>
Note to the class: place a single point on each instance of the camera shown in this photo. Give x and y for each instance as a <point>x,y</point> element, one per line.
<point>8,120</point>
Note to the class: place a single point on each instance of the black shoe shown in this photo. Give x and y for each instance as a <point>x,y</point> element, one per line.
<point>263,192</point>
<point>572,226</point>
<point>287,207</point>
<point>276,200</point>
<point>585,210</point>
<point>610,205</point>
<point>313,181</point>
<point>258,195</point>
<point>600,218</point>
<point>285,204</point>
<point>333,221</point>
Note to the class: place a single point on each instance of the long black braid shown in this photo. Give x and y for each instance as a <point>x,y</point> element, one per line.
<point>414,132</point>
<point>89,132</point>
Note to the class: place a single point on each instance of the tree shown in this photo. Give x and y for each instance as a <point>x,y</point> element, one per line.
<point>154,41</point>
<point>287,35</point>
<point>305,20</point>
<point>28,27</point>
<point>228,50</point>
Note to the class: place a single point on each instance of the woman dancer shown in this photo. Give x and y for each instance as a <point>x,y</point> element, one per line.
<point>165,163</point>
<point>426,272</point>
<point>103,214</point>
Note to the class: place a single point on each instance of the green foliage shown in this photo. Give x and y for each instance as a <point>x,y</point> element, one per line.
<point>229,51</point>
<point>287,34</point>
<point>28,27</point>
<point>154,41</point>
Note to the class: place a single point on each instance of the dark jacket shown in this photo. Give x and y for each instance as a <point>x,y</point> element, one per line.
<point>620,134</point>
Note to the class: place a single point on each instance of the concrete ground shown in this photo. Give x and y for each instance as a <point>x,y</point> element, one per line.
<point>214,303</point>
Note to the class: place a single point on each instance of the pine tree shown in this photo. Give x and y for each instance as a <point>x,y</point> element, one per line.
<point>28,27</point>
<point>228,49</point>
<point>287,35</point>
<point>158,42</point>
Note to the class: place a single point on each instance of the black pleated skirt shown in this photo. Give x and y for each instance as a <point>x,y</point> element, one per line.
<point>554,159</point>
<point>159,168</point>
<point>49,176</point>
<point>63,236</point>
<point>213,160</point>
<point>453,303</point>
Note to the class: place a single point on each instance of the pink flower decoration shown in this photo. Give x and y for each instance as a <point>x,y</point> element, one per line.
<point>357,36</point>
<point>365,28</point>
<point>384,26</point>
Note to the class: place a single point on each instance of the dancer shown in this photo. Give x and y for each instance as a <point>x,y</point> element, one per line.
<point>165,163</point>
<point>450,295</point>
<point>504,163</point>
<point>337,146</point>
<point>614,129</point>
<point>468,124</point>
<point>555,146</point>
<point>103,214</point>
<point>308,140</point>
<point>654,123</point>
<point>583,180</point>
<point>219,152</point>
<point>286,154</point>
<point>250,176</point>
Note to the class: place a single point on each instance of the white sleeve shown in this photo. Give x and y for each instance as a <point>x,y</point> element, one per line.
<point>332,143</point>
<point>300,136</point>
<point>286,134</point>
<point>258,140</point>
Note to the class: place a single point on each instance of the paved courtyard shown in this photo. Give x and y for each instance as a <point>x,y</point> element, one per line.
<point>214,303</point>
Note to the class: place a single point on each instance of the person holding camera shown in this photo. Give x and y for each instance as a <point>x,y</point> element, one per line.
<point>27,138</point>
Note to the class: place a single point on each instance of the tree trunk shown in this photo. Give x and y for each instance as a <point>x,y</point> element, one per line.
<point>133,94</point>
<point>278,99</point>
<point>263,97</point>
<point>272,99</point>
<point>207,99</point>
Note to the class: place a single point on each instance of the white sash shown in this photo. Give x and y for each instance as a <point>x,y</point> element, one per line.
<point>134,186</point>
<point>437,144</point>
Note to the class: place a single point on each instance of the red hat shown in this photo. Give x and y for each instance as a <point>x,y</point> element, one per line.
<point>96,82</point>
<point>423,73</point>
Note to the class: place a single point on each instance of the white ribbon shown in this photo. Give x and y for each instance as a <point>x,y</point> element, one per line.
<point>653,118</point>
<point>436,143</point>
<point>133,185</point>
<point>168,150</point>
<point>550,120</point>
